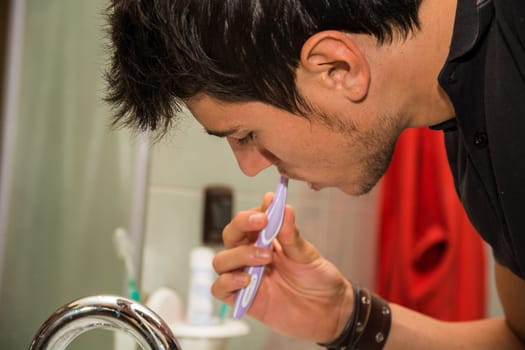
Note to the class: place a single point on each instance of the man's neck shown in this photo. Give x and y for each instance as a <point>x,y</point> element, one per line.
<point>405,72</point>
<point>429,49</point>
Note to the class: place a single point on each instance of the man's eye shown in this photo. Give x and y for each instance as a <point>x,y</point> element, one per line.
<point>246,139</point>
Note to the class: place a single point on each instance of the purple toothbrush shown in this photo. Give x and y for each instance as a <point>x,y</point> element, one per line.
<point>275,213</point>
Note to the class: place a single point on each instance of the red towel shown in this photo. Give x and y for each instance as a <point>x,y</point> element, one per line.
<point>430,257</point>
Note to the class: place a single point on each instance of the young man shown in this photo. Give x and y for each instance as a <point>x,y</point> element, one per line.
<point>322,90</point>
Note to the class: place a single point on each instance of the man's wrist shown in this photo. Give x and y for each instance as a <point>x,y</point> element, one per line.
<point>346,318</point>
<point>346,309</point>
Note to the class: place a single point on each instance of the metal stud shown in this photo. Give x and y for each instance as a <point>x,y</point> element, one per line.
<point>380,337</point>
<point>385,310</point>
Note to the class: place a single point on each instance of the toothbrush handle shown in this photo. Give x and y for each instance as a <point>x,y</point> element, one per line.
<point>275,213</point>
<point>246,295</point>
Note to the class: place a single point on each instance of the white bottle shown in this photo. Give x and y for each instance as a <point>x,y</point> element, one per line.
<point>202,275</point>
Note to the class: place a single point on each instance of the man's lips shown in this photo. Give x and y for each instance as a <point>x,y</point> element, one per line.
<point>312,186</point>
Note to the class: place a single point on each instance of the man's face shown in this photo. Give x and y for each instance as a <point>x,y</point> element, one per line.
<point>334,150</point>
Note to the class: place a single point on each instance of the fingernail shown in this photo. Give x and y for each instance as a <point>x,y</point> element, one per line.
<point>256,218</point>
<point>262,253</point>
<point>242,279</point>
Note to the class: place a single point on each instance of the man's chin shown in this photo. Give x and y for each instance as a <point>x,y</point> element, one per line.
<point>357,190</point>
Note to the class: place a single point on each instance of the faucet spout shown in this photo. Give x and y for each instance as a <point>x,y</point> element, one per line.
<point>104,311</point>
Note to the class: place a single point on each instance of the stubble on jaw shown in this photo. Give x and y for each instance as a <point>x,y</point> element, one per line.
<point>381,139</point>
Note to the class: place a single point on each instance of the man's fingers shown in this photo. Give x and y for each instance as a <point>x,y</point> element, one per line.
<point>244,228</point>
<point>226,286</point>
<point>239,257</point>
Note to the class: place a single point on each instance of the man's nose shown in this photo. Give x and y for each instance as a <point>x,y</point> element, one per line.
<point>252,160</point>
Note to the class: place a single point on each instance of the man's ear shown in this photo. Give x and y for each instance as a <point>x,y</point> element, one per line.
<point>335,59</point>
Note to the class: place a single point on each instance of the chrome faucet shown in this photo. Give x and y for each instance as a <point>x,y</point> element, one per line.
<point>104,311</point>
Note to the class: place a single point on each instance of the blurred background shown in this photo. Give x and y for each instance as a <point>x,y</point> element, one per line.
<point>68,181</point>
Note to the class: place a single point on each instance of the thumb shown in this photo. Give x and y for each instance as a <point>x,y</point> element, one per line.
<point>267,199</point>
<point>291,242</point>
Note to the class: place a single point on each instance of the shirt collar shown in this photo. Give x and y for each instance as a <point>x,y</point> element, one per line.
<point>473,18</point>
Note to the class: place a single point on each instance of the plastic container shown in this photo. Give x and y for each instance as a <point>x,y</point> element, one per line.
<point>199,310</point>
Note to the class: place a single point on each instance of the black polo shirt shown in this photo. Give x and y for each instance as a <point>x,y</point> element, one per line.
<point>484,77</point>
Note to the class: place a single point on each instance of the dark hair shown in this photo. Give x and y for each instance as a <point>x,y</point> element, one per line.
<point>164,51</point>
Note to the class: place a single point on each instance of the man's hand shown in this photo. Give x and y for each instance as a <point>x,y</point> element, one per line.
<point>301,295</point>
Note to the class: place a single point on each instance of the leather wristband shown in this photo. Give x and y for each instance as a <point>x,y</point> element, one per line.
<point>378,326</point>
<point>368,326</point>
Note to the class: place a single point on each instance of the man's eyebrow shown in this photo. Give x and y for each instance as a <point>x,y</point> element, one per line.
<point>221,133</point>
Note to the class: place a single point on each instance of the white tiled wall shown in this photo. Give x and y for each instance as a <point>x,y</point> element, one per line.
<point>183,163</point>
